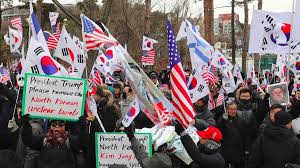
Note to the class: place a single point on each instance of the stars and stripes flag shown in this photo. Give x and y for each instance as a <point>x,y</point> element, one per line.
<point>183,107</point>
<point>209,76</point>
<point>95,77</point>
<point>4,75</point>
<point>57,32</point>
<point>220,99</point>
<point>93,35</point>
<point>51,40</point>
<point>148,57</point>
<point>16,22</point>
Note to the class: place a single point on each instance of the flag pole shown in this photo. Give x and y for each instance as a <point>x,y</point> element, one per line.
<point>288,62</point>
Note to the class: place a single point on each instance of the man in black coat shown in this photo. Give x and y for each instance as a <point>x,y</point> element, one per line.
<point>277,146</point>
<point>234,131</point>
<point>206,153</point>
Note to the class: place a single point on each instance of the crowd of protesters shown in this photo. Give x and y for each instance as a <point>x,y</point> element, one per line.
<point>242,132</point>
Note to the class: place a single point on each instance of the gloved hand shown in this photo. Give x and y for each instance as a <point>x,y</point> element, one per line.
<point>266,97</point>
<point>25,119</point>
<point>130,131</point>
<point>178,127</point>
<point>225,116</point>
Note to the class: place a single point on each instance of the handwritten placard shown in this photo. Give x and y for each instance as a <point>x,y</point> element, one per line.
<point>53,97</point>
<point>114,148</point>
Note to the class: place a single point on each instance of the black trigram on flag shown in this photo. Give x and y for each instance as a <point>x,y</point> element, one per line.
<point>267,29</point>
<point>38,50</point>
<point>65,51</point>
<point>265,42</point>
<point>35,69</point>
<point>200,89</point>
<point>295,45</point>
<point>80,58</point>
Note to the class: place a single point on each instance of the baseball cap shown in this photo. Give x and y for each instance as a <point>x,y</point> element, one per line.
<point>211,133</point>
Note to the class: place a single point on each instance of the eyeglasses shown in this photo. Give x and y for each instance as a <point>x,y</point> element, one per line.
<point>57,123</point>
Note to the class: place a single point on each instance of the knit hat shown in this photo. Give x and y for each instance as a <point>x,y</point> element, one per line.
<point>211,133</point>
<point>282,118</point>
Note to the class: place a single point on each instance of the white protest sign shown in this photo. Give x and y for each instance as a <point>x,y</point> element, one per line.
<point>53,97</point>
<point>114,148</point>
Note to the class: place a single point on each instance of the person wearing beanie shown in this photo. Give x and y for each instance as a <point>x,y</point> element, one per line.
<point>154,78</point>
<point>206,154</point>
<point>204,118</point>
<point>277,145</point>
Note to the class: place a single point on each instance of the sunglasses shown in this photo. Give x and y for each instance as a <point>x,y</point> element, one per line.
<point>57,123</point>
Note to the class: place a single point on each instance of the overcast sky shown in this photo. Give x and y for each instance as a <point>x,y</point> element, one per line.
<point>196,6</point>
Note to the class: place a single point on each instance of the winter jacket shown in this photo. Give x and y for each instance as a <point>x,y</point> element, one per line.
<point>54,158</point>
<point>8,139</point>
<point>276,147</point>
<point>295,110</point>
<point>204,157</point>
<point>204,119</point>
<point>233,144</point>
<point>158,160</point>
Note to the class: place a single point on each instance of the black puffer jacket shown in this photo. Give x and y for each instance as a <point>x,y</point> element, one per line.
<point>233,144</point>
<point>204,119</point>
<point>204,157</point>
<point>8,139</point>
<point>276,147</point>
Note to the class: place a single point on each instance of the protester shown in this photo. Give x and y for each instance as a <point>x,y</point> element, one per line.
<point>204,118</point>
<point>234,131</point>
<point>270,119</point>
<point>159,159</point>
<point>277,146</point>
<point>56,146</point>
<point>206,152</point>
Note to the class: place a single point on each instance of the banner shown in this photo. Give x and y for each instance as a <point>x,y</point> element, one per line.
<point>114,148</point>
<point>53,97</point>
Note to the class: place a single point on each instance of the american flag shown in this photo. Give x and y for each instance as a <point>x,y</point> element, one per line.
<point>148,57</point>
<point>4,75</point>
<point>211,102</point>
<point>51,40</point>
<point>209,77</point>
<point>96,78</point>
<point>93,34</point>
<point>57,32</point>
<point>220,100</point>
<point>17,23</point>
<point>183,107</point>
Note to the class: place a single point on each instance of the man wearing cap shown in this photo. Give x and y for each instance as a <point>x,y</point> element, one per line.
<point>206,153</point>
<point>277,146</point>
<point>270,117</point>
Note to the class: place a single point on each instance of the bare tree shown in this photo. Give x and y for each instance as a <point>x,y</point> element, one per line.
<point>208,20</point>
<point>147,17</point>
<point>245,37</point>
